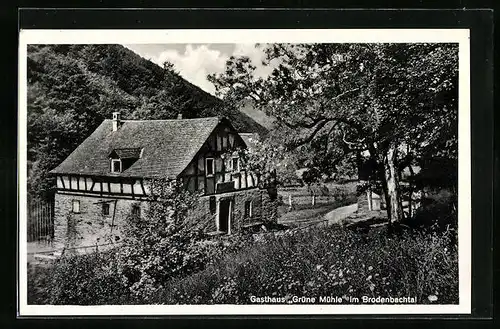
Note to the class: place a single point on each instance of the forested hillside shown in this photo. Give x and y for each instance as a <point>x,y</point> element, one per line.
<point>248,107</point>
<point>73,88</point>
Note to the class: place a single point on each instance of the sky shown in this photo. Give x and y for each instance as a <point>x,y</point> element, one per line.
<point>195,61</point>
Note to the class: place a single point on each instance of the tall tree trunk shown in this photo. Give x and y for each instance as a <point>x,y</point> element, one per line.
<point>380,174</point>
<point>410,191</point>
<point>383,180</point>
<point>393,200</point>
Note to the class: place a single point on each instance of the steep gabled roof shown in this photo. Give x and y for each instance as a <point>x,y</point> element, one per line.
<point>127,153</point>
<point>249,138</point>
<point>167,147</point>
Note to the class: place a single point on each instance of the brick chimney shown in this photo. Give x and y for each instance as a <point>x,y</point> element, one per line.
<point>179,116</point>
<point>116,121</point>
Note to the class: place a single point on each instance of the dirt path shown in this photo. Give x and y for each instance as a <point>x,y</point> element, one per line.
<point>311,217</point>
<point>336,215</point>
<point>330,218</point>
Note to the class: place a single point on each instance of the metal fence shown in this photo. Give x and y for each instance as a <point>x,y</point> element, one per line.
<point>40,220</point>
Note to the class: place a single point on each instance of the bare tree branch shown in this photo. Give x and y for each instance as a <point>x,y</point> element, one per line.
<point>341,95</point>
<point>313,134</point>
<point>357,145</point>
<point>302,125</point>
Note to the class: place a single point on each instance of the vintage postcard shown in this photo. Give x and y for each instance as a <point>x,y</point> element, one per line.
<point>195,172</point>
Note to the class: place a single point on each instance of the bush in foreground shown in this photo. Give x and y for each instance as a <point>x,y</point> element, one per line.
<point>312,263</point>
<point>331,262</point>
<point>89,279</point>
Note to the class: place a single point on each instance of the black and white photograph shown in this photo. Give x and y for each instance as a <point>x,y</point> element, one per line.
<point>244,172</point>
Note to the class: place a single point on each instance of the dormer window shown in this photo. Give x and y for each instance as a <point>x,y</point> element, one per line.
<point>116,166</point>
<point>121,159</point>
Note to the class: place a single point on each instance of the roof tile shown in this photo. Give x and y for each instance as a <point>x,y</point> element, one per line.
<point>168,147</point>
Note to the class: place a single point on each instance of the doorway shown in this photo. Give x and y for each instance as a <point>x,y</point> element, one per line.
<point>224,215</point>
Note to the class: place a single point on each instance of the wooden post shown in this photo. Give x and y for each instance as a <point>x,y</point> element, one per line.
<point>45,214</point>
<point>50,220</point>
<point>47,220</point>
<point>33,220</point>
<point>113,219</point>
<point>44,221</point>
<point>42,233</point>
<point>29,219</point>
<point>313,199</point>
<point>38,221</point>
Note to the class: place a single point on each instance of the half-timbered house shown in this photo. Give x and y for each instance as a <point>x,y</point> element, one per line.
<point>105,179</point>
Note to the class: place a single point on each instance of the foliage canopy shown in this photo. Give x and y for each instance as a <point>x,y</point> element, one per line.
<point>393,104</point>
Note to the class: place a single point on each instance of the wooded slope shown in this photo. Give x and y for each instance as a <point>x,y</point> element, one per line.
<point>73,88</point>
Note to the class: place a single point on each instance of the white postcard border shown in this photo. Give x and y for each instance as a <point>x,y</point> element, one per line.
<point>460,36</point>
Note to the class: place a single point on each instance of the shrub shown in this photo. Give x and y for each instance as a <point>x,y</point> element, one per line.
<point>316,262</point>
<point>439,211</point>
<point>156,248</point>
<point>95,280</point>
<point>146,268</point>
<point>332,262</point>
<point>38,277</point>
<point>163,244</point>
<point>165,260</point>
<point>120,276</point>
<point>90,279</point>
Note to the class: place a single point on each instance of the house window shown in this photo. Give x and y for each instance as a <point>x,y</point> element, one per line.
<point>75,208</point>
<point>235,164</point>
<point>209,166</point>
<point>116,165</point>
<point>213,205</point>
<point>105,209</point>
<point>136,210</point>
<point>248,209</point>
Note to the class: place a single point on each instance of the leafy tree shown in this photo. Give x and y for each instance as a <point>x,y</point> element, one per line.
<point>371,100</point>
<point>163,243</point>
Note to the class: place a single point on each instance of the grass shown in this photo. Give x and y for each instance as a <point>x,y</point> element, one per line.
<point>327,262</point>
<point>329,197</point>
<point>298,217</point>
<point>39,278</point>
<point>316,262</point>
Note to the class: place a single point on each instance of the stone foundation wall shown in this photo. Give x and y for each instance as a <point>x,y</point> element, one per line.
<point>90,227</point>
<point>262,209</point>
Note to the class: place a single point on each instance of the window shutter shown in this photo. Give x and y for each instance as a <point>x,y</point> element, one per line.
<point>213,205</point>
<point>76,206</point>
<point>105,209</point>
